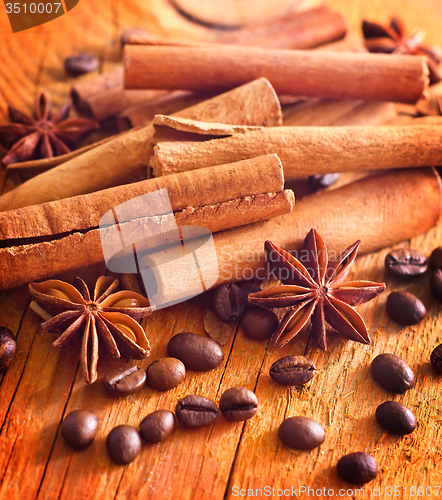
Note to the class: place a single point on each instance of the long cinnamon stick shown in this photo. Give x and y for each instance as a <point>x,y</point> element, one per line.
<point>380,210</point>
<point>47,239</point>
<point>125,158</point>
<point>377,77</point>
<point>303,151</point>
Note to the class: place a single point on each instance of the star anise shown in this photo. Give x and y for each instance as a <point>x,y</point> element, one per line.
<point>109,318</point>
<point>42,134</point>
<point>314,289</point>
<point>394,39</point>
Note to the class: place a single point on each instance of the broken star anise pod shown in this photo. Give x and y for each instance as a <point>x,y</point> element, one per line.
<point>314,288</point>
<point>109,318</point>
<point>42,134</point>
<point>394,39</point>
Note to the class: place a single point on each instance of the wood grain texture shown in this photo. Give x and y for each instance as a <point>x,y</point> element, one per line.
<point>42,385</point>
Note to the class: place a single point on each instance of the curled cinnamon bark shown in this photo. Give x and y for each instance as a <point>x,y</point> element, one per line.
<point>376,77</point>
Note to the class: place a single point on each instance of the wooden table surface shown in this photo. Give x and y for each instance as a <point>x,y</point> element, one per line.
<point>42,385</point>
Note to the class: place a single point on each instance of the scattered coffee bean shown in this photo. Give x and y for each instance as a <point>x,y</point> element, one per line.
<point>405,308</point>
<point>196,411</point>
<point>436,284</point>
<point>436,358</point>
<point>157,426</point>
<point>7,347</point>
<point>259,324</point>
<point>248,287</point>
<point>229,302</point>
<point>319,181</point>
<point>238,404</point>
<point>123,444</point>
<point>81,64</point>
<point>301,433</point>
<point>124,380</point>
<point>197,352</point>
<point>392,373</point>
<point>395,417</point>
<point>435,259</point>
<point>406,262</point>
<point>358,468</point>
<point>128,33</point>
<point>166,373</point>
<point>292,370</point>
<point>79,428</point>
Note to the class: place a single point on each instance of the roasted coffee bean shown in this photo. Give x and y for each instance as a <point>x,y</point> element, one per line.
<point>435,259</point>
<point>259,324</point>
<point>123,444</point>
<point>197,352</point>
<point>128,33</point>
<point>436,284</point>
<point>81,64</point>
<point>436,358</point>
<point>79,428</point>
<point>196,411</point>
<point>238,404</point>
<point>157,426</point>
<point>124,380</point>
<point>406,262</point>
<point>166,373</point>
<point>301,433</point>
<point>292,370</point>
<point>405,308</point>
<point>395,417</point>
<point>318,181</point>
<point>248,287</point>
<point>229,302</point>
<point>392,373</point>
<point>7,347</point>
<point>358,468</point>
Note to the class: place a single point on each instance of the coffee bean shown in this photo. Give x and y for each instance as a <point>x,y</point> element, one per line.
<point>406,262</point>
<point>81,64</point>
<point>259,324</point>
<point>435,259</point>
<point>157,426</point>
<point>436,284</point>
<point>358,468</point>
<point>124,380</point>
<point>319,181</point>
<point>392,373</point>
<point>292,370</point>
<point>128,33</point>
<point>196,411</point>
<point>436,358</point>
<point>197,352</point>
<point>229,302</point>
<point>166,373</point>
<point>405,308</point>
<point>238,404</point>
<point>7,347</point>
<point>395,417</point>
<point>123,444</point>
<point>79,428</point>
<point>301,433</point>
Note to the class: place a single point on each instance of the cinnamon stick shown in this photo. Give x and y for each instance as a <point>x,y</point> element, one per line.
<point>125,158</point>
<point>303,151</point>
<point>296,30</point>
<point>44,240</point>
<point>104,96</point>
<point>381,210</point>
<point>334,75</point>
